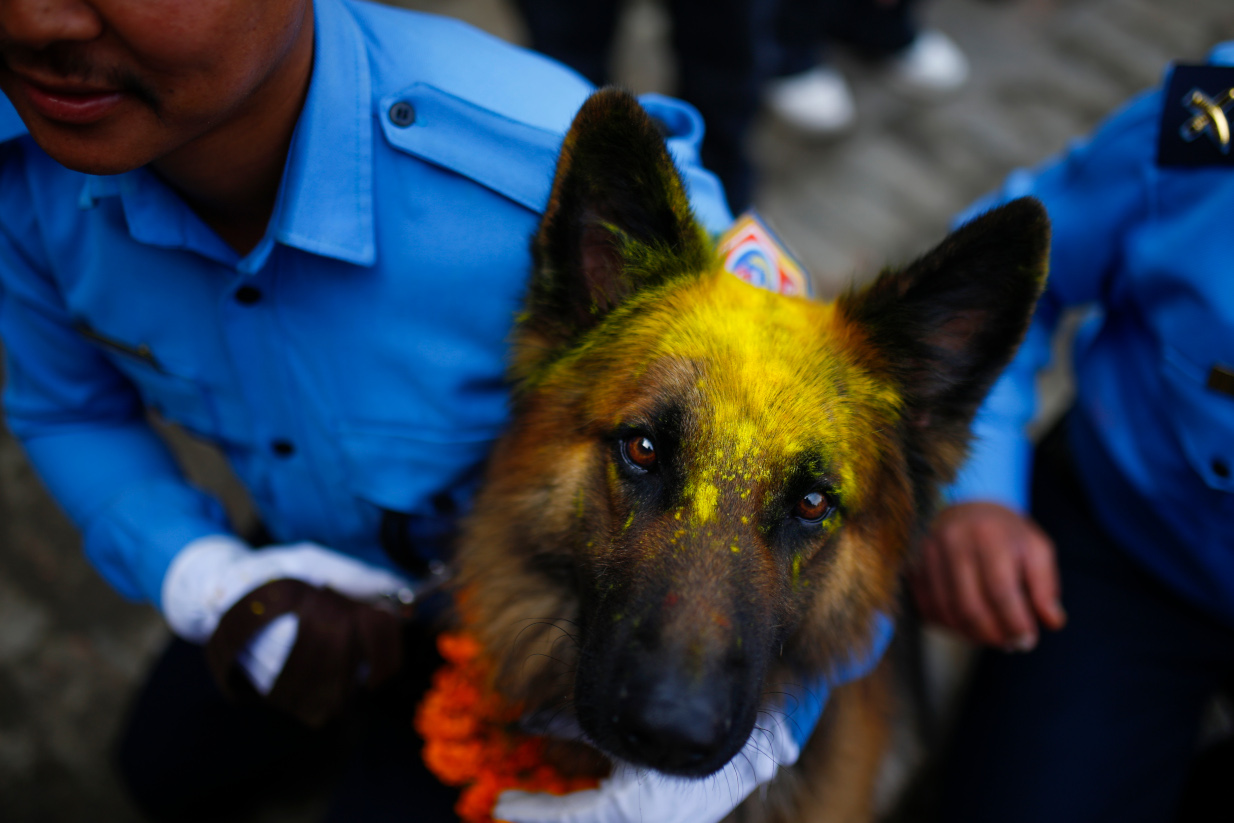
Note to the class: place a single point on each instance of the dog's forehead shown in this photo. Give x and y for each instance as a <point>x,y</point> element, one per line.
<point>763,383</point>
<point>753,357</point>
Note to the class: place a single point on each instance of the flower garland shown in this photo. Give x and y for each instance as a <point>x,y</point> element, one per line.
<point>472,739</point>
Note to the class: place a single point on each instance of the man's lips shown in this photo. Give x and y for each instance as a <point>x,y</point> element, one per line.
<point>72,103</point>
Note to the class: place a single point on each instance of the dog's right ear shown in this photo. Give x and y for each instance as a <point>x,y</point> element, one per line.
<point>618,221</point>
<point>949,323</point>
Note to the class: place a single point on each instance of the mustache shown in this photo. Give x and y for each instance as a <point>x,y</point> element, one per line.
<point>70,63</point>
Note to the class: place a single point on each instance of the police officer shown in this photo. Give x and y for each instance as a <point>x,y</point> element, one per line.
<point>1132,492</point>
<point>298,230</point>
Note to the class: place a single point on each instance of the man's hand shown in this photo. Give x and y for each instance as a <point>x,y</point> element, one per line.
<point>989,574</point>
<point>293,619</point>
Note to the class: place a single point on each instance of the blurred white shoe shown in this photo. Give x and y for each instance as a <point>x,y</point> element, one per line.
<point>817,101</point>
<point>931,66</point>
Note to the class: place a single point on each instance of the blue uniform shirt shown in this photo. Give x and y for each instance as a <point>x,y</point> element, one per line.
<point>354,360</point>
<point>1151,248</point>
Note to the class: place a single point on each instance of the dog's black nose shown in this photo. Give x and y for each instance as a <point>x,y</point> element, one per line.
<point>675,728</point>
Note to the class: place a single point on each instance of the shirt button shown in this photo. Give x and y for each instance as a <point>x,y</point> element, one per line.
<point>1221,468</point>
<point>248,295</point>
<point>402,114</point>
<point>283,448</point>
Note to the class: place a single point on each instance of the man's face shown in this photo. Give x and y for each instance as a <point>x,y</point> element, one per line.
<point>105,86</point>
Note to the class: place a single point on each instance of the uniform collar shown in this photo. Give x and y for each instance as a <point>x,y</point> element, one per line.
<point>325,201</point>
<point>10,124</point>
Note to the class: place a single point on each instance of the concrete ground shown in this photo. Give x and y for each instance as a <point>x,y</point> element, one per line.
<point>1044,71</point>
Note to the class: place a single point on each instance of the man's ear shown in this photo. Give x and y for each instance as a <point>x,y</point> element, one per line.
<point>618,221</point>
<point>948,324</point>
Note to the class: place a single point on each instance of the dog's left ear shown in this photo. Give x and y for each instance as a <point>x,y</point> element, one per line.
<point>618,221</point>
<point>948,324</point>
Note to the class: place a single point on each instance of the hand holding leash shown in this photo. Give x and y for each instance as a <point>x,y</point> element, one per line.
<point>989,574</point>
<point>290,618</point>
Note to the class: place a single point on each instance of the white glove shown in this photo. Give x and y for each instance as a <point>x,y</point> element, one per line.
<point>633,795</point>
<point>211,573</point>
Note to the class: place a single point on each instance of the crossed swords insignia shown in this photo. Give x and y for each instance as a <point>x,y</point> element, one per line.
<point>1209,116</point>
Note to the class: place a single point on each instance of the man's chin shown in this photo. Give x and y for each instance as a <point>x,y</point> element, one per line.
<point>90,162</point>
<point>90,149</point>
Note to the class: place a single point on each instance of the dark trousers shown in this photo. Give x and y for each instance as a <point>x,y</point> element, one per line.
<point>872,29</point>
<point>723,50</point>
<point>1101,721</point>
<point>191,754</point>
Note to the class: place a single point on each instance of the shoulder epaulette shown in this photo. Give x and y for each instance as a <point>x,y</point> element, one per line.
<point>1197,113</point>
<point>508,156</point>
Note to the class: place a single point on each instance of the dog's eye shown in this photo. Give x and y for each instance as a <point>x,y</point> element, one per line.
<point>815,507</point>
<point>640,452</point>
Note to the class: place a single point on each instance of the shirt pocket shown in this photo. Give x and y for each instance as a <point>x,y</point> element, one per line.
<point>1202,417</point>
<point>412,490</point>
<point>403,472</point>
<point>164,389</point>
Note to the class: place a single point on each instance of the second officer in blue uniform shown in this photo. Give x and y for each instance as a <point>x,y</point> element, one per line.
<point>1101,719</point>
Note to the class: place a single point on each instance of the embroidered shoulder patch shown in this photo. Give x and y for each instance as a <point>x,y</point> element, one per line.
<point>1196,116</point>
<point>751,251</point>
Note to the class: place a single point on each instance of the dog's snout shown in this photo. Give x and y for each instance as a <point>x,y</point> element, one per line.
<point>675,684</point>
<point>674,726</point>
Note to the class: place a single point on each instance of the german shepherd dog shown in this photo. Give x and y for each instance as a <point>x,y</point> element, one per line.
<point>709,490</point>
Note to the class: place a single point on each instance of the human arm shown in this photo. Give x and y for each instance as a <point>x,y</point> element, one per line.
<point>986,569</point>
<point>83,423</point>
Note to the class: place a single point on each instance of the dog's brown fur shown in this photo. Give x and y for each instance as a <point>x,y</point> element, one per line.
<point>627,593</point>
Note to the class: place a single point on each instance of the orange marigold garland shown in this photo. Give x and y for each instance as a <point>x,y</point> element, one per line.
<point>472,740</point>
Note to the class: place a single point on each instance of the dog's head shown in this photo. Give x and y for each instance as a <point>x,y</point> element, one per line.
<point>707,488</point>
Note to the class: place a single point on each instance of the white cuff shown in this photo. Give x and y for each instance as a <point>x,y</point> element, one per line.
<point>200,585</point>
<point>211,573</point>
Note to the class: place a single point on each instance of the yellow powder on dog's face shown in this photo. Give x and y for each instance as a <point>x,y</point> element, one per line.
<point>774,384</point>
<point>777,378</point>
